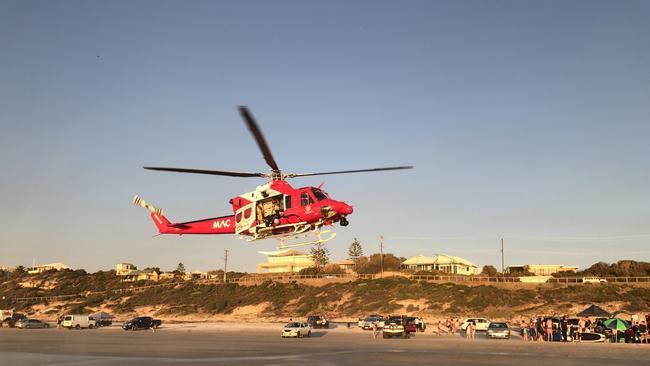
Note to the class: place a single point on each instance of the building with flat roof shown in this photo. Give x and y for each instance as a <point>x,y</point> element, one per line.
<point>122,269</point>
<point>441,262</point>
<point>285,261</point>
<point>539,269</point>
<point>47,267</point>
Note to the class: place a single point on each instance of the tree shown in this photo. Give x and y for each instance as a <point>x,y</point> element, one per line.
<point>180,269</point>
<point>372,264</point>
<point>355,252</point>
<point>18,272</point>
<point>320,254</point>
<point>489,270</point>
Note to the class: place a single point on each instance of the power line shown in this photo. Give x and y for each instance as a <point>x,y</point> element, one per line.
<point>381,252</point>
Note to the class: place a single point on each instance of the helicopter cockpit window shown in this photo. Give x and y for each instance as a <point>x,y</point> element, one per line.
<point>305,199</point>
<point>238,217</point>
<point>319,194</point>
<point>247,213</point>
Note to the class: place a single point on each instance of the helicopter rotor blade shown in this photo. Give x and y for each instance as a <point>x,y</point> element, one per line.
<point>204,171</point>
<point>259,138</point>
<point>294,175</point>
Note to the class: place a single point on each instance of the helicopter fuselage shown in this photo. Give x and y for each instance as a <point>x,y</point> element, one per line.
<point>273,209</point>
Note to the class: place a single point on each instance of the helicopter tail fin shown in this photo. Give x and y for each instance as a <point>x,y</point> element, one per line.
<point>157,214</point>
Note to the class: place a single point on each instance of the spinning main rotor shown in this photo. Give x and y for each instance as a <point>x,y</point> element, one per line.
<point>276,173</point>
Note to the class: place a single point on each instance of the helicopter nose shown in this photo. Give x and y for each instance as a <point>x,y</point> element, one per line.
<point>345,209</point>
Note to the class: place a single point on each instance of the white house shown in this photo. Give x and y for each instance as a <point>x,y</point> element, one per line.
<point>441,262</point>
<point>47,267</point>
<point>285,261</point>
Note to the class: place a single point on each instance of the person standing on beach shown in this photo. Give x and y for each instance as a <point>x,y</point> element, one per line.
<point>375,330</point>
<point>549,330</point>
<point>564,326</point>
<point>471,330</point>
<point>581,328</point>
<point>532,330</point>
<point>524,330</point>
<point>540,330</point>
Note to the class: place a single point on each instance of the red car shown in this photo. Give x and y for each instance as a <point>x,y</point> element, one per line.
<point>410,326</point>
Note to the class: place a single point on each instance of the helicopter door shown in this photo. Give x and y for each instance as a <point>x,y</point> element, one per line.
<point>244,218</point>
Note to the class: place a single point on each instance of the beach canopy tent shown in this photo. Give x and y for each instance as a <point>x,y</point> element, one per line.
<point>594,311</point>
<point>101,315</point>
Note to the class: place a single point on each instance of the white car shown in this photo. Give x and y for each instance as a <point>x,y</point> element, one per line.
<point>297,330</point>
<point>366,324</point>
<point>481,323</point>
<point>593,280</point>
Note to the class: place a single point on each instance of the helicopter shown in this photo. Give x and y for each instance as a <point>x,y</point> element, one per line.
<point>294,216</point>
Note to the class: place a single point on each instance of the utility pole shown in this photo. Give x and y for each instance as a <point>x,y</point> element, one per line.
<point>503,268</point>
<point>381,253</point>
<point>225,264</point>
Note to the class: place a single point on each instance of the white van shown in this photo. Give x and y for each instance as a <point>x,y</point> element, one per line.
<point>78,321</point>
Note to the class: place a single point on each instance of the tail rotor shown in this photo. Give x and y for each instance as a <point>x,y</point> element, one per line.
<point>138,201</point>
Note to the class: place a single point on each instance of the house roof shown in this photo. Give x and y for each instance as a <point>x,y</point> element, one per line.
<point>284,253</point>
<point>53,265</point>
<point>438,259</point>
<point>345,262</point>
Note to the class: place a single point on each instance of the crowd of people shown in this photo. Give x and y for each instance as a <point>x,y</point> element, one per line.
<point>448,326</point>
<point>565,330</point>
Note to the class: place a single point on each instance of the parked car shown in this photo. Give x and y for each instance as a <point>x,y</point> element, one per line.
<point>593,280</point>
<point>395,327</point>
<point>366,324</point>
<point>31,324</point>
<point>142,322</point>
<point>498,330</point>
<point>297,330</point>
<point>78,321</point>
<point>317,321</point>
<point>420,325</point>
<point>102,319</point>
<point>9,318</point>
<point>481,323</point>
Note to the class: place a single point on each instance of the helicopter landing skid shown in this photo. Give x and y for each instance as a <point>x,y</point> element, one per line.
<point>322,236</point>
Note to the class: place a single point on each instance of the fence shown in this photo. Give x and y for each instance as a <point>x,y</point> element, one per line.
<point>250,279</point>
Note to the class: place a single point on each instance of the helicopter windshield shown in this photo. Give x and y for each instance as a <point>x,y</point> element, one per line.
<point>320,195</point>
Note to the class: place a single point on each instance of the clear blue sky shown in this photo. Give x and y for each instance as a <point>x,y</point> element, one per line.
<point>528,120</point>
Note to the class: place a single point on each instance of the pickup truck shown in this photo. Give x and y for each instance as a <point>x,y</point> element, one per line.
<point>10,318</point>
<point>141,322</point>
<point>395,327</point>
<point>317,321</point>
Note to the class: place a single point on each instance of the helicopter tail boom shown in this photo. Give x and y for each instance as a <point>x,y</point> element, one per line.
<point>215,225</point>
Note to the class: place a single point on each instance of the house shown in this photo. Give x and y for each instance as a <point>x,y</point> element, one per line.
<point>347,265</point>
<point>441,262</point>
<point>47,267</point>
<point>539,269</point>
<point>122,269</point>
<point>141,275</point>
<point>285,261</point>
<point>195,275</point>
<point>130,273</point>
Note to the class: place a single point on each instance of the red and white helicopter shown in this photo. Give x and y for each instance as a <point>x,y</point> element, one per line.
<point>272,210</point>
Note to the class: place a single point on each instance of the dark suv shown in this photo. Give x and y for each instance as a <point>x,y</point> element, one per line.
<point>141,322</point>
<point>317,321</point>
